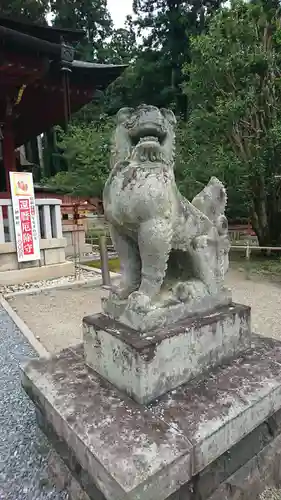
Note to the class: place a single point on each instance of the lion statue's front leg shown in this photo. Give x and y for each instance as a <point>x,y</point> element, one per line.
<point>143,260</point>
<point>130,264</point>
<point>154,243</point>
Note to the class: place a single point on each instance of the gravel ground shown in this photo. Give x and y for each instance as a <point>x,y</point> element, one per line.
<point>55,318</point>
<point>23,449</point>
<point>92,256</point>
<point>82,275</point>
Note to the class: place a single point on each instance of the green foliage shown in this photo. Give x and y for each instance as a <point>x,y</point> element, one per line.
<point>92,16</point>
<point>113,264</point>
<point>166,27</point>
<point>121,48</point>
<point>233,83</point>
<point>197,160</point>
<point>144,81</point>
<point>86,151</point>
<point>27,10</point>
<point>102,43</point>
<point>96,232</point>
<point>163,29</point>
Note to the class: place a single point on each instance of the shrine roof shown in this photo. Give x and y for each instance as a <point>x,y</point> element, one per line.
<point>18,37</point>
<point>44,32</point>
<point>31,64</point>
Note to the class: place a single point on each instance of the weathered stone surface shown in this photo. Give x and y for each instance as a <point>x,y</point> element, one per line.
<point>64,479</point>
<point>148,453</point>
<point>216,413</point>
<point>218,476</point>
<point>126,451</point>
<point>263,470</point>
<point>163,314</point>
<point>147,366</point>
<point>67,470</point>
<point>248,481</point>
<point>173,253</point>
<point>242,472</point>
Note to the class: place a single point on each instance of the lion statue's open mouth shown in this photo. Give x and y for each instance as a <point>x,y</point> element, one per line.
<point>148,132</point>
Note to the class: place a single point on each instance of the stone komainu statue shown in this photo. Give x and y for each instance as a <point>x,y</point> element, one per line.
<point>173,253</point>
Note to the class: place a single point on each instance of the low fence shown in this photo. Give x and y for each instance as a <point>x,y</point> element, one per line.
<point>52,244</point>
<point>248,249</point>
<point>104,249</point>
<point>48,213</point>
<point>95,242</point>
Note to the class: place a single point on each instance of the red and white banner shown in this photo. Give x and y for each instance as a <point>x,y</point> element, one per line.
<point>26,227</point>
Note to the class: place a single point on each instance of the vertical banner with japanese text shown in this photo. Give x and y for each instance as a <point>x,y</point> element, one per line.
<point>26,227</point>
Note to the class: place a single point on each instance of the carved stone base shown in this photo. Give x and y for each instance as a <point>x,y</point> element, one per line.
<point>215,438</point>
<point>146,366</point>
<point>163,314</point>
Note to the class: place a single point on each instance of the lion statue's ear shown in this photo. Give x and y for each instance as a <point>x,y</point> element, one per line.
<point>123,114</point>
<point>169,115</point>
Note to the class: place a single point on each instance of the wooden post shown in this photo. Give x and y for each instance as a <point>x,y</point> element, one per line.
<point>9,157</point>
<point>2,231</point>
<point>104,261</point>
<point>66,97</point>
<point>248,255</point>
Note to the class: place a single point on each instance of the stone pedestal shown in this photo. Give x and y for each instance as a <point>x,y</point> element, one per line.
<point>148,365</point>
<point>214,438</point>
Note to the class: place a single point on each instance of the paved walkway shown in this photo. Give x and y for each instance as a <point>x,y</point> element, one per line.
<point>23,448</point>
<point>264,298</point>
<point>55,318</point>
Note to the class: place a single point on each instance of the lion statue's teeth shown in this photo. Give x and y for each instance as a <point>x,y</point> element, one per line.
<point>149,138</point>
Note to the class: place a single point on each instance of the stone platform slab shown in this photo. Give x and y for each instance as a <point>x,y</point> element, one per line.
<point>166,311</point>
<point>147,365</point>
<point>242,473</point>
<point>124,450</point>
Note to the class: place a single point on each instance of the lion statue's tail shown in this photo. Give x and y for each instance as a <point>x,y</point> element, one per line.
<point>212,201</point>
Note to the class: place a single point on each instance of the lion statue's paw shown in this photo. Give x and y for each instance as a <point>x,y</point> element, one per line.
<point>139,302</point>
<point>200,242</point>
<point>189,290</point>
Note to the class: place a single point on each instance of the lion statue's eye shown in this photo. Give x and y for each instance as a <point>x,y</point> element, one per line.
<point>124,114</point>
<point>131,122</point>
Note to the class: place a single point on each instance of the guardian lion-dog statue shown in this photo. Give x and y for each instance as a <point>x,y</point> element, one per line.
<point>173,253</point>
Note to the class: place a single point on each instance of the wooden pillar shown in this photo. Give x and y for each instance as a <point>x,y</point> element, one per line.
<point>9,156</point>
<point>66,97</point>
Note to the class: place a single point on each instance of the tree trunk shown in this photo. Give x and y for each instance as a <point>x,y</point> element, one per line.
<point>266,224</point>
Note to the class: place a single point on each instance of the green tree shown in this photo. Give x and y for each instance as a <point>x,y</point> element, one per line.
<point>86,150</point>
<point>27,10</point>
<point>144,81</point>
<point>234,85</point>
<point>92,16</point>
<point>166,27</point>
<point>121,48</point>
<point>268,5</point>
<point>197,160</point>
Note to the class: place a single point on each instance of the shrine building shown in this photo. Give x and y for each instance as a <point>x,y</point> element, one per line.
<point>41,85</point>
